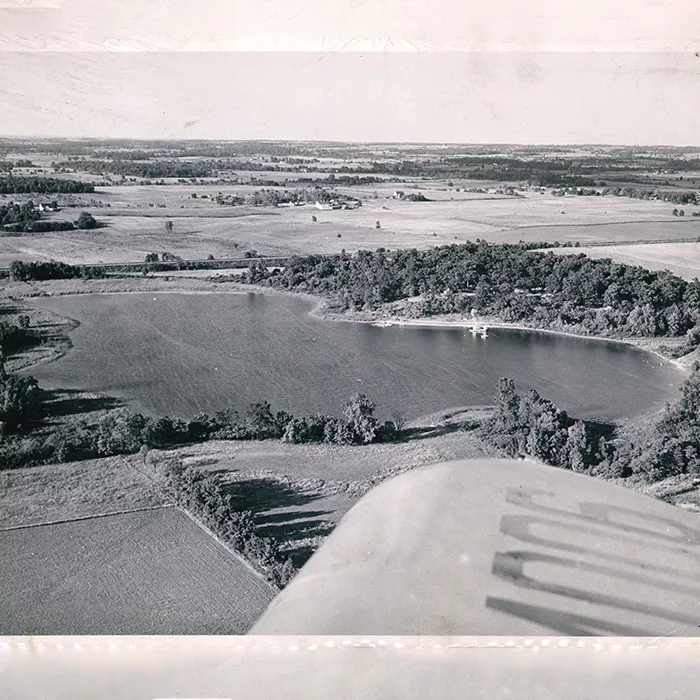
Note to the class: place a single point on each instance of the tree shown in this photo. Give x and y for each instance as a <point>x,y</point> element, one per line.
<point>86,221</point>
<point>23,321</point>
<point>20,401</point>
<point>399,419</point>
<point>168,227</point>
<point>359,411</point>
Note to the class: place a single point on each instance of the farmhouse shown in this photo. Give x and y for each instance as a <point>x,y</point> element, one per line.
<point>48,206</point>
<point>398,194</point>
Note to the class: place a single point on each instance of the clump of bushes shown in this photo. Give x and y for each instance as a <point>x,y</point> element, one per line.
<point>52,269</point>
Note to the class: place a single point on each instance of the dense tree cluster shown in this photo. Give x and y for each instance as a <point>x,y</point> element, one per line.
<point>205,497</point>
<point>672,447</point>
<point>673,196</point>
<point>16,184</point>
<point>147,169</point>
<point>20,402</point>
<point>14,336</point>
<point>565,292</point>
<point>16,214</point>
<point>41,226</point>
<point>26,218</point>
<point>52,270</point>
<point>534,426</point>
<point>272,197</point>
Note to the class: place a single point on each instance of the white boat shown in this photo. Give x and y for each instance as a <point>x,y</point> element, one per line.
<point>382,324</point>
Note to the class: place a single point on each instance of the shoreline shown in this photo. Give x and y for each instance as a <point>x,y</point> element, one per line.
<point>320,311</point>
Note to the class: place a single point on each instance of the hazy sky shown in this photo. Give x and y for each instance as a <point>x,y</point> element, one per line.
<point>361,70</point>
<point>628,98</point>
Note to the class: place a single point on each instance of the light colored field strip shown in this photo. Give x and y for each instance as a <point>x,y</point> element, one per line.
<point>30,645</point>
<point>230,550</point>
<point>87,517</point>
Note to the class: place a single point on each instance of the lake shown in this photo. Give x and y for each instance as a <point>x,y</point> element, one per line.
<point>180,354</point>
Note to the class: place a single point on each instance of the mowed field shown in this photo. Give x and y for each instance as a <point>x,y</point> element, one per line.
<point>73,490</point>
<point>149,572</point>
<point>136,215</point>
<point>682,259</point>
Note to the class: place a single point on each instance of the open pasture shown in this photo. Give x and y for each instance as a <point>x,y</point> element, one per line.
<point>136,215</point>
<point>682,259</point>
<point>49,493</point>
<point>148,572</point>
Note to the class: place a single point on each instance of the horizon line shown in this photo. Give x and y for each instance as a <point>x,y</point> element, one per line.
<point>166,139</point>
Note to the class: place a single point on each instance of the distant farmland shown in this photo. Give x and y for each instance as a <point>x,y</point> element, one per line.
<point>682,259</point>
<point>149,572</point>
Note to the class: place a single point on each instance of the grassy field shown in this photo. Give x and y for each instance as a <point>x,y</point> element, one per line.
<point>74,490</point>
<point>298,493</point>
<point>682,259</point>
<point>136,215</point>
<point>151,572</point>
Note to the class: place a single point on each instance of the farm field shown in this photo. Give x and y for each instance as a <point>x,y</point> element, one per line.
<point>682,259</point>
<point>49,493</point>
<point>151,572</point>
<point>200,231</point>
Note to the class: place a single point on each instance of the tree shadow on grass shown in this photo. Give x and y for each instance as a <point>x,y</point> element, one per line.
<point>65,402</point>
<point>425,432</point>
<point>294,533</point>
<point>263,495</point>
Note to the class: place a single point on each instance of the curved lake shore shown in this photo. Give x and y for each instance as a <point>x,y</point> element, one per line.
<point>184,353</point>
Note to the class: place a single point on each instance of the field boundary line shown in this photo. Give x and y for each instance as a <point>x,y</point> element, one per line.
<point>88,517</point>
<point>232,551</point>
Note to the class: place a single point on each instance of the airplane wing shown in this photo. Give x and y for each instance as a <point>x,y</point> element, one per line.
<point>499,547</point>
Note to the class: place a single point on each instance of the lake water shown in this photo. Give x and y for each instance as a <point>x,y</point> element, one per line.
<point>179,354</point>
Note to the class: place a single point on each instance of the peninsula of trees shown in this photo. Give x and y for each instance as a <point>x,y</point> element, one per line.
<point>514,283</point>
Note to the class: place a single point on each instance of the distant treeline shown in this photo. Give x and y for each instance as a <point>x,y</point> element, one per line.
<point>673,196</point>
<point>563,292</point>
<point>149,169</point>
<point>52,270</point>
<point>534,426</point>
<point>16,184</point>
<point>6,166</point>
<point>273,197</point>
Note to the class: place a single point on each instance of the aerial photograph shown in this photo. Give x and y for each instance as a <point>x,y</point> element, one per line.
<point>349,344</point>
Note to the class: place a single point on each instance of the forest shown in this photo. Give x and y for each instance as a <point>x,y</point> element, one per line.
<point>570,293</point>
<point>149,169</point>
<point>15,184</point>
